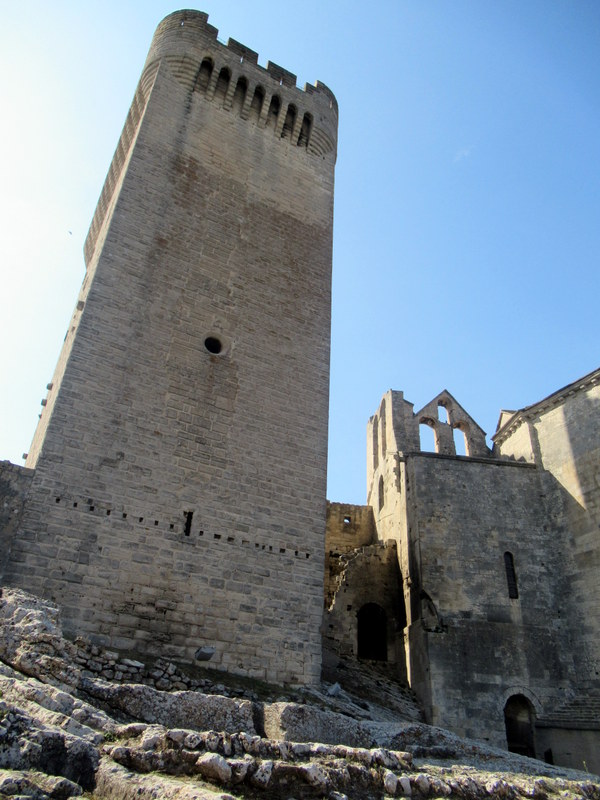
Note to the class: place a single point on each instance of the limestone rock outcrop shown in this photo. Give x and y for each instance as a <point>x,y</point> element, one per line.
<point>64,732</point>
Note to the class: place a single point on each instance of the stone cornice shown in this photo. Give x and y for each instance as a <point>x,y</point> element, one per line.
<point>529,413</point>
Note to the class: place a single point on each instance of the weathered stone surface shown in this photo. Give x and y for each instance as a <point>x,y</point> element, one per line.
<point>51,746</point>
<point>32,639</point>
<point>36,786</point>
<point>214,767</point>
<point>174,709</point>
<point>303,723</point>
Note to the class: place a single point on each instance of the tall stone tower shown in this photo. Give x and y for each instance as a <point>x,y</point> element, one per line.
<point>178,500</point>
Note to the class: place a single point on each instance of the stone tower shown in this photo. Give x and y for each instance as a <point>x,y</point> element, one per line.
<point>178,502</point>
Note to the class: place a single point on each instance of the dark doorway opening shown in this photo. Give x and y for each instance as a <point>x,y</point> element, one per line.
<point>519,718</point>
<point>372,632</point>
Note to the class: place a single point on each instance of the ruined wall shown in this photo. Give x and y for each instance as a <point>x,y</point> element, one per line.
<point>347,528</point>
<point>179,495</point>
<point>368,576</point>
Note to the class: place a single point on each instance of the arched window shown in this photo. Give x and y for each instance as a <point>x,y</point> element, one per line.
<point>256,105</point>
<point>372,632</point>
<point>427,438</point>
<point>222,84</point>
<point>511,576</point>
<point>239,95</point>
<point>204,74</point>
<point>290,121</point>
<point>381,493</point>
<point>442,413</point>
<point>375,442</point>
<point>519,720</point>
<point>305,130</point>
<point>460,442</point>
<point>274,107</point>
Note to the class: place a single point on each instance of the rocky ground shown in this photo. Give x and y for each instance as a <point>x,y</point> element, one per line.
<point>66,730</point>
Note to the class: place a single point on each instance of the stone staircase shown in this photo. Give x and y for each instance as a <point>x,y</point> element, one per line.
<point>580,712</point>
<point>376,691</point>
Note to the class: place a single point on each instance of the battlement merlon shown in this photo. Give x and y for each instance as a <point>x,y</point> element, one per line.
<point>187,33</point>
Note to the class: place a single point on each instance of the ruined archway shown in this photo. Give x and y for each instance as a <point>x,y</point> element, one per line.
<point>372,632</point>
<point>519,719</point>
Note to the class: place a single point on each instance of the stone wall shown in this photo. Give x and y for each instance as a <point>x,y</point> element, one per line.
<point>562,435</point>
<point>347,527</point>
<point>367,603</point>
<point>178,504</point>
<point>15,482</point>
<point>483,644</point>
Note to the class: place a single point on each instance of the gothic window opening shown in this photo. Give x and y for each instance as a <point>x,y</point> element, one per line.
<point>460,442</point>
<point>511,576</point>
<point>381,493</point>
<point>427,438</point>
<point>375,442</point>
<point>372,632</point>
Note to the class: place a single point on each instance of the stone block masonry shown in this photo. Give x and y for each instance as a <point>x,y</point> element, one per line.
<point>178,501</point>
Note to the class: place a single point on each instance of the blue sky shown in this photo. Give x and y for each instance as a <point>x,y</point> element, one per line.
<point>467,235</point>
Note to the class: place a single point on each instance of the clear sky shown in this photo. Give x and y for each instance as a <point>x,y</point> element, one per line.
<point>467,210</point>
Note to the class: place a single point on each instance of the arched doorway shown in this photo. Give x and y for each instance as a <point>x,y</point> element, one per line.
<point>519,719</point>
<point>372,632</point>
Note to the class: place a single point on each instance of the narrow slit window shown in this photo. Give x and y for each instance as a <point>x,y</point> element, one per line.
<point>189,515</point>
<point>511,576</point>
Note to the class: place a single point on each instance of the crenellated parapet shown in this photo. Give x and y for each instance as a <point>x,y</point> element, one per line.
<point>228,77</point>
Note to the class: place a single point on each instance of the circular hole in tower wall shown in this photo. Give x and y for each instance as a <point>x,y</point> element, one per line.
<point>213,345</point>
